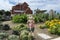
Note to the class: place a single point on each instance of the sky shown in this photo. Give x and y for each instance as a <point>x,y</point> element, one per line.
<point>33,4</point>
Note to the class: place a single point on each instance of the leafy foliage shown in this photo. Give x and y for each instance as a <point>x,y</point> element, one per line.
<point>15,32</point>
<point>1,26</point>
<point>42,27</point>
<point>20,18</point>
<point>25,35</point>
<point>53,26</point>
<point>3,35</point>
<point>13,37</point>
<point>41,17</point>
<point>7,13</point>
<point>6,27</point>
<point>19,27</point>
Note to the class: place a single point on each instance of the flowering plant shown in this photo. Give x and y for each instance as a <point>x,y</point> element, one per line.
<point>53,26</point>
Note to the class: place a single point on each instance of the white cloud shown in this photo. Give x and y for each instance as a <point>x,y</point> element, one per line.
<point>33,4</point>
<point>52,6</point>
<point>5,5</point>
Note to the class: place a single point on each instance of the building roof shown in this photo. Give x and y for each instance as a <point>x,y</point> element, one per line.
<point>22,4</point>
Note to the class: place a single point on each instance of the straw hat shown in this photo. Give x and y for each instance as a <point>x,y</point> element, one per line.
<point>30,18</point>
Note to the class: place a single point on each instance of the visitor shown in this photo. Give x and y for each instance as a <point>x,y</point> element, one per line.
<point>31,24</point>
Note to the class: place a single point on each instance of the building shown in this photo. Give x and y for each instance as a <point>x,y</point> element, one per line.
<point>21,8</point>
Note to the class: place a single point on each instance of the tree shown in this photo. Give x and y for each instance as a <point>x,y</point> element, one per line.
<point>52,14</point>
<point>2,12</point>
<point>7,13</point>
<point>40,11</point>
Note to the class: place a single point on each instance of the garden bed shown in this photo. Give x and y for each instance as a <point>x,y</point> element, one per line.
<point>15,33</point>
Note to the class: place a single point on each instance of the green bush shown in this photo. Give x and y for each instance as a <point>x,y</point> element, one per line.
<point>53,26</point>
<point>19,28</point>
<point>42,27</point>
<point>6,27</point>
<point>36,19</point>
<point>1,26</point>
<point>13,37</point>
<point>30,37</point>
<point>55,29</point>
<point>3,35</point>
<point>23,32</point>
<point>15,32</point>
<point>19,18</point>
<point>42,17</point>
<point>25,35</point>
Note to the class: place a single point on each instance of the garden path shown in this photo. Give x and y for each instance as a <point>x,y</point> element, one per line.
<point>37,32</point>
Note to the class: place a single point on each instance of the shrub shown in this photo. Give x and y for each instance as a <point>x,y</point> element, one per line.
<point>53,26</point>
<point>30,37</point>
<point>20,28</point>
<point>3,35</point>
<point>42,17</point>
<point>6,27</point>
<point>13,37</point>
<point>0,17</point>
<point>1,26</point>
<point>19,18</point>
<point>42,27</point>
<point>25,35</point>
<point>36,19</point>
<point>15,32</point>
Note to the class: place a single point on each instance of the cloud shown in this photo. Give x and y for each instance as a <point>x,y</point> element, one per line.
<point>4,4</point>
<point>33,4</point>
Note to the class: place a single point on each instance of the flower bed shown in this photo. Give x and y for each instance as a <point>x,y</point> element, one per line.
<point>53,26</point>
